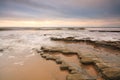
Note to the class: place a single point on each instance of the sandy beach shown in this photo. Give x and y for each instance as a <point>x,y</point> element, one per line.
<point>59,54</point>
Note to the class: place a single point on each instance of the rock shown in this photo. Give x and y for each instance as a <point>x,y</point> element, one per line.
<point>79,55</point>
<point>67,52</point>
<point>113,44</point>
<point>49,57</point>
<point>59,61</point>
<point>52,57</point>
<point>57,49</point>
<point>77,77</point>
<point>55,57</point>
<point>96,60</point>
<point>51,49</point>
<point>71,39</point>
<point>73,69</point>
<point>111,73</point>
<point>100,66</point>
<point>1,50</point>
<point>55,39</point>
<point>87,61</point>
<point>64,66</point>
<point>41,53</point>
<point>62,39</point>
<point>45,55</point>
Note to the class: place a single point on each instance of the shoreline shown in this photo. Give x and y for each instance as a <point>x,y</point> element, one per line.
<point>97,29</point>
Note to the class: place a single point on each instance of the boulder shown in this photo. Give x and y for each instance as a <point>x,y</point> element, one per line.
<point>111,73</point>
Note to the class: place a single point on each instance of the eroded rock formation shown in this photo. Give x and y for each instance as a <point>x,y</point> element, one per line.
<point>107,71</point>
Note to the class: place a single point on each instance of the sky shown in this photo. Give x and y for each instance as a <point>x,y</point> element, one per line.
<point>59,13</point>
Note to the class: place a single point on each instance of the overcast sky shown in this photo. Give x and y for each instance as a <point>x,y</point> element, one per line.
<point>60,13</point>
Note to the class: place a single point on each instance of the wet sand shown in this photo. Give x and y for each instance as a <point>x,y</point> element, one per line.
<point>32,68</point>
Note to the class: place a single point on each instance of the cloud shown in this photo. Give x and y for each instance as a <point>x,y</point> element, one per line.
<point>59,9</point>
